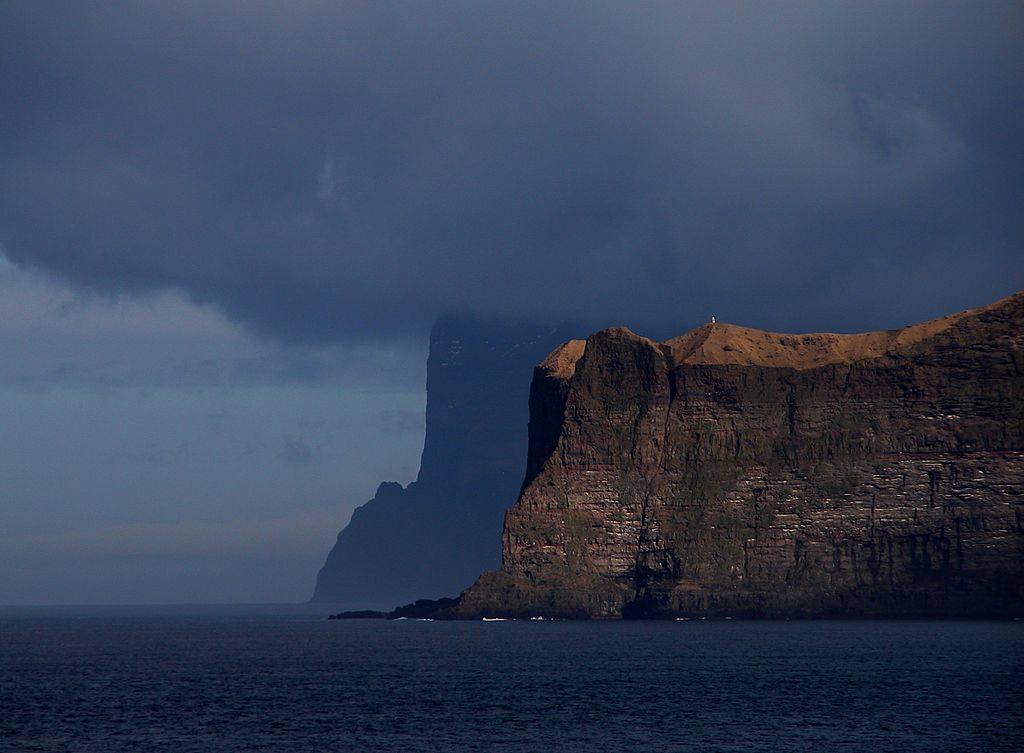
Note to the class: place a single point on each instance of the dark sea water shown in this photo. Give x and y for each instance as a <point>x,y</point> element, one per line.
<point>189,679</point>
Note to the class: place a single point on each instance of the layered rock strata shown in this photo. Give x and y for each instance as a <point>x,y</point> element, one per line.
<point>734,472</point>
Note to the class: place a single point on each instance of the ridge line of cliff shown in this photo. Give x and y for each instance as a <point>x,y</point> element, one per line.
<point>720,343</point>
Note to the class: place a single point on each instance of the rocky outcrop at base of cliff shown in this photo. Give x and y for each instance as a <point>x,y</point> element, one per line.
<point>733,472</point>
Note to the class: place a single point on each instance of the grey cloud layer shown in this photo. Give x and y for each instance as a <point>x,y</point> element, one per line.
<point>330,171</point>
<point>50,335</point>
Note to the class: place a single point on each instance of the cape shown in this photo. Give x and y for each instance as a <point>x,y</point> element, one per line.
<point>736,472</point>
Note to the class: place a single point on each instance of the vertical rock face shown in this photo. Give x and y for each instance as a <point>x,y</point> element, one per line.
<point>737,472</point>
<point>433,537</point>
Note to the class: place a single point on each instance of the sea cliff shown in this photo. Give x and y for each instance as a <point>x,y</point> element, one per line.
<point>735,472</point>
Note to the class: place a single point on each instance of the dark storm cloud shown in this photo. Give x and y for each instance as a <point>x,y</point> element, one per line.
<point>331,170</point>
<point>51,335</point>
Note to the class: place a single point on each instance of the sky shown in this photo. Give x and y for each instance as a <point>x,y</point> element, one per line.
<point>226,229</point>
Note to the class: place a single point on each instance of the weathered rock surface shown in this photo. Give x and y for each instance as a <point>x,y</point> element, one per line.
<point>737,472</point>
<point>434,536</point>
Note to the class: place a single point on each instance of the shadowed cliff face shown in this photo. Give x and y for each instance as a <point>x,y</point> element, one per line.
<point>436,535</point>
<point>737,472</point>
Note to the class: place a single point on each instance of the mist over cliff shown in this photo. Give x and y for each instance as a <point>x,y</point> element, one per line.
<point>434,536</point>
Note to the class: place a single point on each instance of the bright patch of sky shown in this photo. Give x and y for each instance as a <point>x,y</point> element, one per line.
<point>151,435</point>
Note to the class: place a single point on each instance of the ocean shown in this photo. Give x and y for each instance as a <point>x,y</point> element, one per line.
<point>280,679</point>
